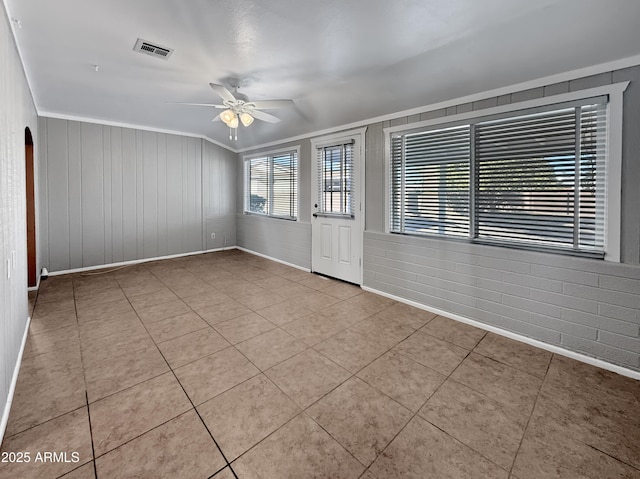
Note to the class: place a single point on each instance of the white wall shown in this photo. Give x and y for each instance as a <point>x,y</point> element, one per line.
<point>17,111</point>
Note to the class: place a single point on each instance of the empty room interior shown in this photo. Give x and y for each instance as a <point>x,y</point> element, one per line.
<point>304,239</point>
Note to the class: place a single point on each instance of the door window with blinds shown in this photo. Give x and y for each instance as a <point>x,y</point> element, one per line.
<point>272,185</point>
<point>335,179</point>
<point>534,179</point>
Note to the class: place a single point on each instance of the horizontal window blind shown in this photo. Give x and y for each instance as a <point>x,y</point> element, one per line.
<point>285,191</point>
<point>258,182</point>
<point>272,185</point>
<point>336,181</point>
<point>533,179</point>
<point>430,186</point>
<point>536,178</point>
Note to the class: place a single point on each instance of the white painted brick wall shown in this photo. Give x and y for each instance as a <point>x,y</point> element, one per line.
<point>588,306</point>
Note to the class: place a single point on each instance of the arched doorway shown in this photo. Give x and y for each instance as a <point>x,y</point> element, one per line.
<point>31,208</point>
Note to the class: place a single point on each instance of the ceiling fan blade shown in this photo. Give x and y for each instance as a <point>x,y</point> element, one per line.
<point>197,104</point>
<point>261,115</point>
<point>216,118</point>
<point>222,92</point>
<point>271,104</point>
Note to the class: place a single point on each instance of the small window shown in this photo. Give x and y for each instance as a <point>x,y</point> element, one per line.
<point>534,179</point>
<point>272,185</point>
<point>335,179</point>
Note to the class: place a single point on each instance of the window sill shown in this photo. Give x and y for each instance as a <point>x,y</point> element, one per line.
<point>260,215</point>
<point>497,244</point>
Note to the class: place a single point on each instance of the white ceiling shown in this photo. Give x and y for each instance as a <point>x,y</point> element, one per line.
<point>340,61</point>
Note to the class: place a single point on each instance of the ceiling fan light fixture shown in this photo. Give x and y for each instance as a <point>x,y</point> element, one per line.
<point>234,122</point>
<point>228,116</point>
<point>246,119</point>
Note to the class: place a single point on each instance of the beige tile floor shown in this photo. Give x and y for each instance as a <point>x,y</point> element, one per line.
<point>228,365</point>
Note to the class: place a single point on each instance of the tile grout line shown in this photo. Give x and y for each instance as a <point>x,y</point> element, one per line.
<point>189,399</point>
<point>93,450</point>
<point>426,400</point>
<point>617,459</point>
<point>609,455</point>
<point>305,409</point>
<point>193,406</point>
<point>186,267</point>
<point>472,351</point>
<point>438,388</point>
<point>84,378</point>
<point>311,347</point>
<point>526,427</point>
<point>352,375</point>
<point>301,409</point>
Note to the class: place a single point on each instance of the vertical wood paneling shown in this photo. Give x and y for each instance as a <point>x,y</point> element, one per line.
<point>197,181</point>
<point>74,200</point>
<point>174,192</point>
<point>185,194</point>
<point>162,195</point>
<point>92,194</point>
<point>58,195</point>
<point>129,195</point>
<point>219,196</point>
<point>42,195</point>
<point>139,195</point>
<point>119,194</point>
<point>374,177</point>
<point>150,194</point>
<point>630,234</point>
<point>117,197</point>
<point>106,189</point>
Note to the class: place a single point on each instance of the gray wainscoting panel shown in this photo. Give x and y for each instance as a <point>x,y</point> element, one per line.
<point>374,177</point>
<point>90,222</point>
<point>288,241</point>
<point>57,200</point>
<point>219,170</point>
<point>630,164</point>
<point>118,194</point>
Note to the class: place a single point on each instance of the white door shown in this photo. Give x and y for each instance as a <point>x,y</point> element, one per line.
<point>337,195</point>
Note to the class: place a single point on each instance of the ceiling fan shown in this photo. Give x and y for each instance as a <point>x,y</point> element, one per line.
<point>238,109</point>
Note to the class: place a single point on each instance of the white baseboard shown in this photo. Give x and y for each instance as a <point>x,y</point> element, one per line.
<point>35,288</point>
<point>14,380</point>
<point>136,261</point>
<point>511,335</point>
<point>272,258</point>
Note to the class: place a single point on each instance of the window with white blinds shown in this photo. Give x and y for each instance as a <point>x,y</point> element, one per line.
<point>536,179</point>
<point>430,186</point>
<point>336,179</point>
<point>272,185</point>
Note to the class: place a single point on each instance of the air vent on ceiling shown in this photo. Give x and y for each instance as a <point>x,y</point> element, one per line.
<point>149,48</point>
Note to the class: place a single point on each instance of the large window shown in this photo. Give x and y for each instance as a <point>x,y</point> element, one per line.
<point>534,178</point>
<point>272,185</point>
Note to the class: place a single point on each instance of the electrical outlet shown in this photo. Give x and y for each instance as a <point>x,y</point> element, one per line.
<point>213,236</point>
